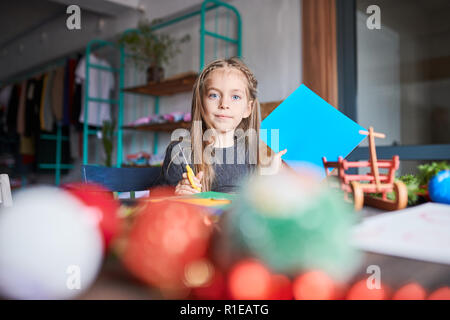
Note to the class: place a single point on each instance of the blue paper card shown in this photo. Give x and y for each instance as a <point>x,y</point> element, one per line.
<point>310,128</point>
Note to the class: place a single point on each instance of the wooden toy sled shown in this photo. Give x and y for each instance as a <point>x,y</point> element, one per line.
<point>363,187</point>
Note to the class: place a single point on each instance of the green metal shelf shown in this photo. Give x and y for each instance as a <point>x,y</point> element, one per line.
<point>109,101</point>
<point>57,166</point>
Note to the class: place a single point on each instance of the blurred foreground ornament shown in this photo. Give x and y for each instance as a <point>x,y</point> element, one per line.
<point>102,203</point>
<point>281,288</point>
<point>214,289</point>
<point>314,285</point>
<point>292,223</point>
<point>166,245</point>
<point>440,294</point>
<point>361,291</point>
<point>410,291</point>
<point>50,246</point>
<point>250,280</point>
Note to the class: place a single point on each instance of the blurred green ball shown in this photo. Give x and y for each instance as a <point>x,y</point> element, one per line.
<point>293,223</point>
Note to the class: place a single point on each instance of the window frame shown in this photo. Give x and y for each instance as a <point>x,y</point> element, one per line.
<point>347,91</point>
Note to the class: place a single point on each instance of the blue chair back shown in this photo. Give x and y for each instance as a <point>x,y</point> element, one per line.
<point>122,179</point>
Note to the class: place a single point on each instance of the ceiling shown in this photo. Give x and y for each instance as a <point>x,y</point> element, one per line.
<point>19,17</point>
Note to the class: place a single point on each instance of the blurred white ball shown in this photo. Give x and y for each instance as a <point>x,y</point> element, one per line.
<point>50,246</point>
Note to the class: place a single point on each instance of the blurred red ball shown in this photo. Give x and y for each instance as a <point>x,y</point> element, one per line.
<point>96,196</point>
<point>249,280</point>
<point>314,285</point>
<point>361,291</point>
<point>162,192</point>
<point>411,291</point>
<point>281,288</point>
<point>165,237</point>
<point>440,294</point>
<point>214,289</point>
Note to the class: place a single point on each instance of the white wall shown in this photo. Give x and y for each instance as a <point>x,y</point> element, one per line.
<point>271,39</point>
<point>272,45</point>
<point>378,81</point>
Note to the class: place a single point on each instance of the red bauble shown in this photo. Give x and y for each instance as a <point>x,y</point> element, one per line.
<point>411,291</point>
<point>314,285</point>
<point>214,290</point>
<point>165,238</point>
<point>361,291</point>
<point>250,280</point>
<point>440,294</point>
<point>98,197</point>
<point>281,288</point>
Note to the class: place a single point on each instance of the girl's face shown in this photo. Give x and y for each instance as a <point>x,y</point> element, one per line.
<point>226,101</point>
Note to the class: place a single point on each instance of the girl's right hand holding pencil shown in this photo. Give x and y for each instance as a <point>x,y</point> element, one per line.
<point>184,187</point>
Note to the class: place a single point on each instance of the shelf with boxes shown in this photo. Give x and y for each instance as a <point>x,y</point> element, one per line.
<point>180,83</point>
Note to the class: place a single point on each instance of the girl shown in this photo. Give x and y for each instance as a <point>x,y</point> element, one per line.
<point>225,111</point>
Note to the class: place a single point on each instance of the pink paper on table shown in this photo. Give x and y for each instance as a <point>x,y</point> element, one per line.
<point>421,232</point>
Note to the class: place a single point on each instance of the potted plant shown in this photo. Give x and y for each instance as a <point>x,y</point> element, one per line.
<point>151,49</point>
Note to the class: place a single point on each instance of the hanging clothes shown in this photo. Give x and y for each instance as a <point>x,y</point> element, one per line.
<point>21,109</point>
<point>13,106</point>
<point>69,90</point>
<point>77,99</point>
<point>76,106</point>
<point>101,83</point>
<point>65,114</point>
<point>33,107</point>
<point>58,93</point>
<point>41,109</point>
<point>29,106</point>
<point>46,113</point>
<point>26,146</point>
<point>5,96</point>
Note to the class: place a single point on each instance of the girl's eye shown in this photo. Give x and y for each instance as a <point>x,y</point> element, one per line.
<point>235,97</point>
<point>213,95</point>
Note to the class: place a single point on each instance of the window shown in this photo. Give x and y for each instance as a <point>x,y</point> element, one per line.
<point>401,75</point>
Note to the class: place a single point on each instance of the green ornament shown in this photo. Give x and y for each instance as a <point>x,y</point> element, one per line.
<point>293,224</point>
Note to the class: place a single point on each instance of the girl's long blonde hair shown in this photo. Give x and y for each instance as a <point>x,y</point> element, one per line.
<point>199,116</point>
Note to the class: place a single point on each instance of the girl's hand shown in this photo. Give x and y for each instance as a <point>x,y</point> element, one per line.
<point>275,164</point>
<point>184,186</point>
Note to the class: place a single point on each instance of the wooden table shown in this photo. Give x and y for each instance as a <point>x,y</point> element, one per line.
<point>114,282</point>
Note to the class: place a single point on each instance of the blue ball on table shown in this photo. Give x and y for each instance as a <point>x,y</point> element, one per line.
<point>439,187</point>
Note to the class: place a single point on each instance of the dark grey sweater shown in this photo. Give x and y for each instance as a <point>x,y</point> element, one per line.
<point>231,166</point>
